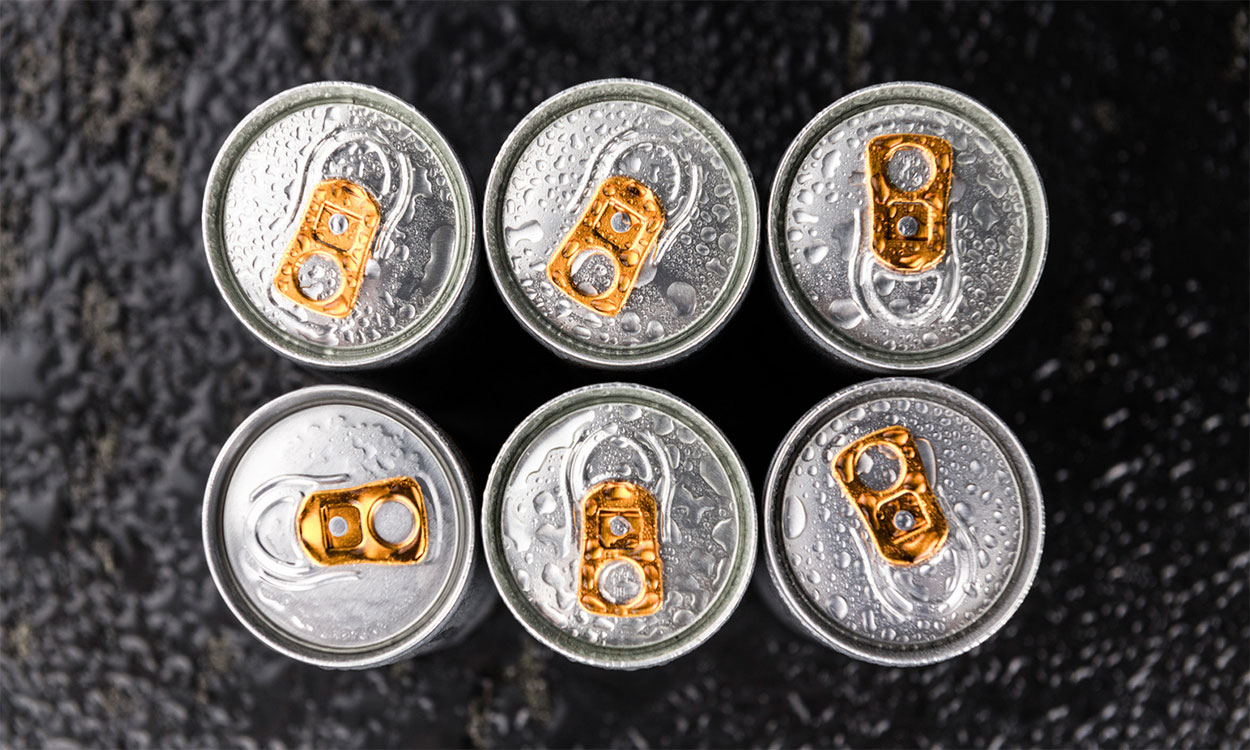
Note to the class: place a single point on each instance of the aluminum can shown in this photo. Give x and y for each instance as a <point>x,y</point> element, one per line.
<point>902,522</point>
<point>338,525</point>
<point>621,224</point>
<point>339,226</point>
<point>907,229</point>
<point>619,526</point>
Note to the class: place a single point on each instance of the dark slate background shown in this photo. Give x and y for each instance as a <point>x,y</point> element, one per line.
<point>122,372</point>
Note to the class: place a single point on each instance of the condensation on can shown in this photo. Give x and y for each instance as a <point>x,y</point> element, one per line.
<point>825,572</point>
<point>410,271</point>
<point>619,526</point>
<point>342,616</point>
<point>679,289</point>
<point>957,184</point>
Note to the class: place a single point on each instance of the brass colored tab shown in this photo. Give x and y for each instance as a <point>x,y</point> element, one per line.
<point>331,530</point>
<point>622,223</point>
<point>620,527</point>
<point>339,224</point>
<point>909,226</point>
<point>905,522</point>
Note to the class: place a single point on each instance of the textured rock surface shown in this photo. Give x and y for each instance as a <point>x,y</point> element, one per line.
<point>121,373</point>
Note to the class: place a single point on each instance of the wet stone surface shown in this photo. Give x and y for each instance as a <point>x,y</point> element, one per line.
<point>122,372</point>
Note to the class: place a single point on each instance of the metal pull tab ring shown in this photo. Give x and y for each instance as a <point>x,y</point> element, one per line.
<point>904,520</point>
<point>337,527</point>
<point>909,226</point>
<point>621,573</point>
<point>339,225</point>
<point>622,224</point>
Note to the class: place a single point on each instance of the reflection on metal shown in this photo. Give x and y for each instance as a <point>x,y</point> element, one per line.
<point>904,520</point>
<point>336,527</point>
<point>909,226</point>
<point>339,225</point>
<point>621,573</point>
<point>622,224</point>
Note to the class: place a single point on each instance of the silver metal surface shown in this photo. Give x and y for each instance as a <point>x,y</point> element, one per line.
<point>829,576</point>
<point>856,308</point>
<point>423,256</point>
<point>531,520</point>
<point>540,185</point>
<point>342,616</point>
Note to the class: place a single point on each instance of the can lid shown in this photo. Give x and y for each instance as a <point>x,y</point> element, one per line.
<point>907,228</point>
<point>619,526</point>
<point>903,522</point>
<point>338,525</point>
<point>621,224</point>
<point>339,225</point>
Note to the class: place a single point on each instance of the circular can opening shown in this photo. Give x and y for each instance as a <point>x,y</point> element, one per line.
<point>909,168</point>
<point>880,467</point>
<point>320,277</point>
<point>393,522</point>
<point>621,581</point>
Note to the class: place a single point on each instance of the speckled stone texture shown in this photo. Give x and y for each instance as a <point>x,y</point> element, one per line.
<point>122,372</point>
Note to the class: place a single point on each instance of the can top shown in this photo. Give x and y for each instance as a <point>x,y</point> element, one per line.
<point>609,280</point>
<point>329,444</point>
<point>619,526</point>
<point>339,225</point>
<point>909,555</point>
<point>907,228</point>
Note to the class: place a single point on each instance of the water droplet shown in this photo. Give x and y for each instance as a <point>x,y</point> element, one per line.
<point>829,165</point>
<point>845,313</point>
<point>816,253</point>
<point>530,232</point>
<point>682,295</point>
<point>630,322</point>
<point>654,330</point>
<point>796,517</point>
<point>839,606</point>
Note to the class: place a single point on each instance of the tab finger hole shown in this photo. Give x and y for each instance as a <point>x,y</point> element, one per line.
<point>320,277</point>
<point>393,522</point>
<point>881,467</point>
<point>594,274</point>
<point>910,168</point>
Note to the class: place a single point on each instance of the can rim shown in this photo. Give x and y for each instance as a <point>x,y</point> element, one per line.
<point>575,97</point>
<point>531,618</point>
<point>440,314</point>
<point>237,445</point>
<point>1022,575</point>
<point>1037,216</point>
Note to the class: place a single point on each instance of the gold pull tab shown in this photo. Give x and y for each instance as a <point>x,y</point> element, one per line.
<point>909,226</point>
<point>621,573</point>
<point>904,520</point>
<point>336,527</point>
<point>338,226</point>
<point>622,224</point>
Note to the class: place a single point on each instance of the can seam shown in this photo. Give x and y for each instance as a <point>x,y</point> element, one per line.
<point>1036,210</point>
<point>635,657</point>
<point>1009,599</point>
<point>395,348</point>
<point>401,645</point>
<point>554,338</point>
